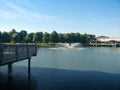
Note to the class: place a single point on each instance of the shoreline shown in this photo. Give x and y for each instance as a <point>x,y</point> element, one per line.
<point>54,45</point>
<point>84,45</point>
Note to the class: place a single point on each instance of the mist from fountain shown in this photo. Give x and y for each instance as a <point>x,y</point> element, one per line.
<point>69,45</point>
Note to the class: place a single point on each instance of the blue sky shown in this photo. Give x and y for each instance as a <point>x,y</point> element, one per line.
<point>99,17</point>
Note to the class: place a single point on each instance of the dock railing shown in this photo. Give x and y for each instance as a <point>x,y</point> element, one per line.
<point>16,52</point>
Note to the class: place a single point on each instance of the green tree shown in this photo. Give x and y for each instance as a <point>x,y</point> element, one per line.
<point>22,35</point>
<point>54,37</point>
<point>0,37</point>
<point>37,37</point>
<point>92,37</point>
<point>46,37</point>
<point>61,37</point>
<point>12,32</point>
<point>85,38</point>
<point>15,38</point>
<point>77,37</point>
<point>67,38</point>
<point>72,37</point>
<point>29,37</point>
<point>6,37</point>
<point>40,36</point>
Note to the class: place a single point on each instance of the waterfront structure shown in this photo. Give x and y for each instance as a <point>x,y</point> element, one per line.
<point>104,41</point>
<point>11,53</point>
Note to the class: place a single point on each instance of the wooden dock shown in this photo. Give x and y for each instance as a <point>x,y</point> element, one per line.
<point>11,53</point>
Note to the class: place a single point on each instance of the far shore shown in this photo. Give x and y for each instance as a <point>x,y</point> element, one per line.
<point>46,45</point>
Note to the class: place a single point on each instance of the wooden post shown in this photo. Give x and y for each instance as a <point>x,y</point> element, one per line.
<point>29,63</point>
<point>10,70</point>
<point>16,50</point>
<point>1,52</point>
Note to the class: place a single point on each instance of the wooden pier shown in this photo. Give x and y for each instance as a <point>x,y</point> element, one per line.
<point>11,53</point>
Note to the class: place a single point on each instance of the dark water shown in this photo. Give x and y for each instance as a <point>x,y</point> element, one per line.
<point>62,69</point>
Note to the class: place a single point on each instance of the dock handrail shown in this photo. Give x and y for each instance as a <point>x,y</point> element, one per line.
<point>16,52</point>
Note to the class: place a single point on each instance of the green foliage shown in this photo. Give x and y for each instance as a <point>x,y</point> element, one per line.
<point>22,35</point>
<point>0,37</point>
<point>5,37</point>
<point>46,37</point>
<point>12,32</point>
<point>29,37</point>
<point>67,38</point>
<point>37,37</point>
<point>54,37</point>
<point>61,38</point>
<point>40,37</point>
<point>15,38</point>
<point>77,37</point>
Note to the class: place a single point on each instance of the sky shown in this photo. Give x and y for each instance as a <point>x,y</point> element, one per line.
<point>98,17</point>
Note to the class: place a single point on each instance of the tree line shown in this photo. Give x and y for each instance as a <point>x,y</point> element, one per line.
<point>39,37</point>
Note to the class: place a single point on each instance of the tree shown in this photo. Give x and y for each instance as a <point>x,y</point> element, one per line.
<point>22,35</point>
<point>6,37</point>
<point>61,38</point>
<point>29,37</point>
<point>77,37</point>
<point>0,37</point>
<point>46,37</point>
<point>72,37</point>
<point>85,38</point>
<point>37,37</point>
<point>12,32</point>
<point>92,37</point>
<point>54,37</point>
<point>15,38</point>
<point>40,36</point>
<point>67,37</point>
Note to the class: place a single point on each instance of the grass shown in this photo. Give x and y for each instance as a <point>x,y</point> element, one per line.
<point>45,44</point>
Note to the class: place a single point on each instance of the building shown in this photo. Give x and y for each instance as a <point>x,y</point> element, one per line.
<point>105,41</point>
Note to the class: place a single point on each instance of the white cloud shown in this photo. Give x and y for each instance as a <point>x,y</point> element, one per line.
<point>15,12</point>
<point>26,12</point>
<point>15,7</point>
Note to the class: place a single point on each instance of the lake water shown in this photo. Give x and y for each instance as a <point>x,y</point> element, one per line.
<point>85,68</point>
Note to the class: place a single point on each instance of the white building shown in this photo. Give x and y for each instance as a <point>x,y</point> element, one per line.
<point>103,41</point>
<point>107,39</point>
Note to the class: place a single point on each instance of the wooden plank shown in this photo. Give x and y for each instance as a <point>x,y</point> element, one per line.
<point>16,52</point>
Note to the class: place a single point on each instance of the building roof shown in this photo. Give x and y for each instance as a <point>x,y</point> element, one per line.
<point>103,37</point>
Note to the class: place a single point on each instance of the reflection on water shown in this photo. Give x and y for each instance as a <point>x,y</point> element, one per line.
<point>58,79</point>
<point>19,80</point>
<point>66,69</point>
<point>85,59</point>
<point>62,48</point>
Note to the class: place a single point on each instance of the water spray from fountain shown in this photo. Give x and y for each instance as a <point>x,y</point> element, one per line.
<point>69,45</point>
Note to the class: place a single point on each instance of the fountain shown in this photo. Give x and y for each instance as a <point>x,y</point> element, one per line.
<point>69,45</point>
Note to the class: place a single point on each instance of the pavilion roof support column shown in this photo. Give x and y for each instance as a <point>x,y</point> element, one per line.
<point>29,69</point>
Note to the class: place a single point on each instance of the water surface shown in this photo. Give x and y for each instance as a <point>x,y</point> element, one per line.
<point>89,59</point>
<point>67,69</point>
